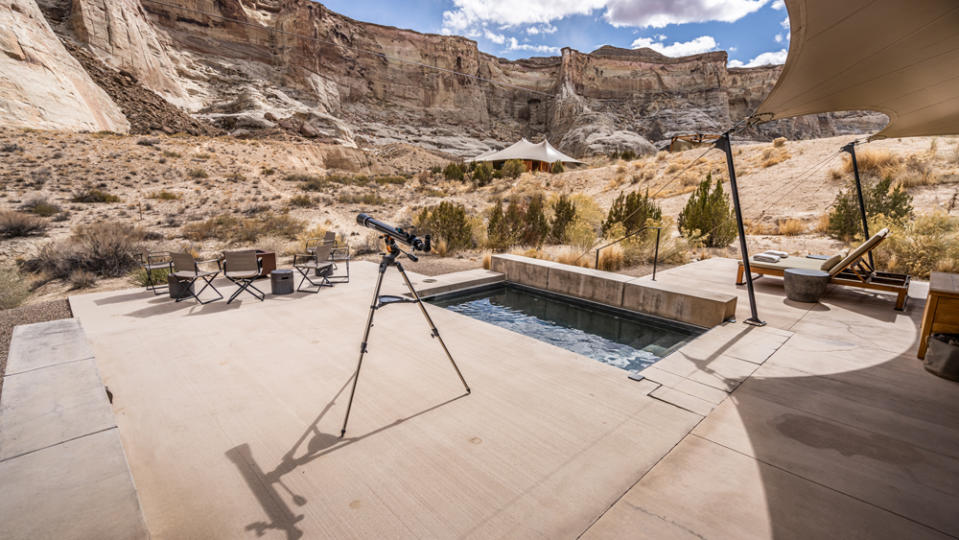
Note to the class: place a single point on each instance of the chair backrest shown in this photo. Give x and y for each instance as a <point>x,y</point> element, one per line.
<point>243,260</point>
<point>183,262</point>
<point>322,251</point>
<point>857,253</point>
<point>329,237</point>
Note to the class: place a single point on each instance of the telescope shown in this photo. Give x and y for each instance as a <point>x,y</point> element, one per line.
<point>395,232</point>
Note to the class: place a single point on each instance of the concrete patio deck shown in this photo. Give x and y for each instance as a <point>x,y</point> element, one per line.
<point>229,415</point>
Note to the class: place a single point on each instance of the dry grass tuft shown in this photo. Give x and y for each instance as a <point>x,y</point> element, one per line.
<point>779,141</point>
<point>16,224</point>
<point>790,227</point>
<point>775,155</point>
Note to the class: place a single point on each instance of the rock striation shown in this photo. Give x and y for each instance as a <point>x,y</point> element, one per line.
<point>262,66</point>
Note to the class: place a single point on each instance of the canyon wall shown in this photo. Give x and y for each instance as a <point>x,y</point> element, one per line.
<point>261,66</point>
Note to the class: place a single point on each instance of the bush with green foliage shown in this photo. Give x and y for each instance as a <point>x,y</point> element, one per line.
<point>454,171</point>
<point>536,226</point>
<point>16,224</point>
<point>40,207</point>
<point>94,196</point>
<point>301,201</point>
<point>448,222</point>
<point>881,199</point>
<point>632,211</point>
<point>482,173</point>
<point>513,168</point>
<point>107,249</point>
<point>557,168</point>
<point>564,213</point>
<point>498,237</point>
<point>14,288</point>
<point>628,155</point>
<point>708,215</point>
<point>928,243</point>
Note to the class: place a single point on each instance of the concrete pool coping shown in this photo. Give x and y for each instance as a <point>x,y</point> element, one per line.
<point>820,424</point>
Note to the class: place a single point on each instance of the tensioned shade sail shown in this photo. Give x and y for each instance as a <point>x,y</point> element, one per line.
<point>897,57</point>
<point>525,150</point>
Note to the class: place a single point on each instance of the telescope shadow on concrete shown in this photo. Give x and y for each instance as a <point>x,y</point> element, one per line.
<point>266,485</point>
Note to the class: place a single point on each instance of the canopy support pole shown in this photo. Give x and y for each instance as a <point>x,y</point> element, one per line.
<point>851,150</point>
<point>723,144</point>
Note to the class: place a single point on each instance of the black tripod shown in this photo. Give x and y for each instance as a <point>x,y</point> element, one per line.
<point>389,259</point>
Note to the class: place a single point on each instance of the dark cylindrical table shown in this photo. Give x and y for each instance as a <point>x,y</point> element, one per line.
<point>805,285</point>
<point>281,281</point>
<point>179,288</point>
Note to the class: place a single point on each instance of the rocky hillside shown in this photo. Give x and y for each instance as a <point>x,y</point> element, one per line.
<point>263,66</point>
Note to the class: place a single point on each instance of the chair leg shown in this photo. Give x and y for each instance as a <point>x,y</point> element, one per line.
<point>305,273</point>
<point>901,300</point>
<point>739,275</point>
<point>246,285</point>
<point>209,283</point>
<point>189,288</point>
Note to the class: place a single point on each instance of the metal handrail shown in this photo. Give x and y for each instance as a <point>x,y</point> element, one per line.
<point>630,235</point>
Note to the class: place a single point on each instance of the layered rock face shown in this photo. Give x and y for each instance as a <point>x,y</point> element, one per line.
<point>41,84</point>
<point>253,66</point>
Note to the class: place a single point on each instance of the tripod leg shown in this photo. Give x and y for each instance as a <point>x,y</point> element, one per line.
<point>366,336</point>
<point>429,320</point>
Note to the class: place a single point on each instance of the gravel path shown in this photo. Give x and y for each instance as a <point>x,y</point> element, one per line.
<point>33,313</point>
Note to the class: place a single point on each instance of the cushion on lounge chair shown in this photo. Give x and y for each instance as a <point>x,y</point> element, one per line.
<point>780,254</point>
<point>830,262</point>
<point>767,258</point>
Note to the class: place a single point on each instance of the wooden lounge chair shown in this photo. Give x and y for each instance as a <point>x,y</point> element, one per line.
<point>187,268</point>
<point>317,262</point>
<point>243,268</point>
<point>851,270</point>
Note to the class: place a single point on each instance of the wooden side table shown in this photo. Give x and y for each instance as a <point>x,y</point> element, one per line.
<point>942,309</point>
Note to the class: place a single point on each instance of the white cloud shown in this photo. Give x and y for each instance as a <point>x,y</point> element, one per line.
<point>515,45</point>
<point>764,59</point>
<point>511,12</point>
<point>732,49</point>
<point>779,4</point>
<point>659,13</point>
<point>498,39</point>
<point>778,38</point>
<point>678,48</point>
<point>785,23</point>
<point>541,29</point>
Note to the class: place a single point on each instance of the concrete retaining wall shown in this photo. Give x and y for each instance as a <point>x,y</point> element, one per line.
<point>692,306</point>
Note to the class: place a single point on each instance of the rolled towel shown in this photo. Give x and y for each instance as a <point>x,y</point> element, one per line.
<point>766,258</point>
<point>780,254</point>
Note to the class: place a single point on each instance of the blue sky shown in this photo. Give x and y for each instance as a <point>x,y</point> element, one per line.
<point>753,32</point>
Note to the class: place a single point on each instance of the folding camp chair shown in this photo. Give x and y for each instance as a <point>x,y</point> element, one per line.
<point>318,262</point>
<point>242,267</point>
<point>187,268</point>
<point>150,262</point>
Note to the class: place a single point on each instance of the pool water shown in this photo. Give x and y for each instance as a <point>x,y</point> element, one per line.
<point>618,338</point>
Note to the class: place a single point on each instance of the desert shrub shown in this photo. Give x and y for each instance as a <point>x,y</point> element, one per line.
<point>454,171</point>
<point>301,201</point>
<point>482,173</point>
<point>513,168</point>
<point>877,163</point>
<point>708,215</point>
<point>927,243</point>
<point>94,196</point>
<point>14,288</point>
<point>82,279</point>
<point>314,183</point>
<point>229,228</point>
<point>40,207</point>
<point>392,180</point>
<point>447,222</point>
<point>790,227</point>
<point>775,155</point>
<point>845,219</point>
<point>498,235</point>
<point>632,211</point>
<point>628,155</point>
<point>140,277</point>
<point>370,199</point>
<point>164,195</point>
<point>106,248</point>
<point>198,173</point>
<point>612,258</point>
<point>536,226</point>
<point>16,224</point>
<point>564,213</point>
<point>171,154</point>
<point>557,168</point>
<point>779,141</point>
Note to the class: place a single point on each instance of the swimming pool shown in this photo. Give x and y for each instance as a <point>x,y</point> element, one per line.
<point>619,338</point>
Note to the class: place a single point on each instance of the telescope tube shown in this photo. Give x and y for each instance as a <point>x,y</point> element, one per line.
<point>398,234</point>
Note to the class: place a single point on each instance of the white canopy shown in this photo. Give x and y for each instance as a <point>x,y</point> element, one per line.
<point>897,57</point>
<point>525,150</point>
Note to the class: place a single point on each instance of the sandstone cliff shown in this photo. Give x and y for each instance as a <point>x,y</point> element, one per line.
<point>252,66</point>
<point>41,84</point>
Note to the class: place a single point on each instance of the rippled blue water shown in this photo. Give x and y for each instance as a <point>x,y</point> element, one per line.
<point>624,342</point>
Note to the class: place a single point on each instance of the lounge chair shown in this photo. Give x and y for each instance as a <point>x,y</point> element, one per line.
<point>243,268</point>
<point>851,270</point>
<point>186,268</point>
<point>150,262</point>
<point>317,262</point>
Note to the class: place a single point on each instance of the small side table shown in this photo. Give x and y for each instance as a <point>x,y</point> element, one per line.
<point>941,315</point>
<point>805,285</point>
<point>281,281</point>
